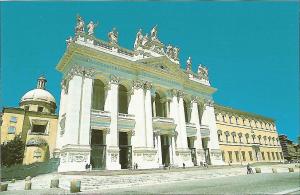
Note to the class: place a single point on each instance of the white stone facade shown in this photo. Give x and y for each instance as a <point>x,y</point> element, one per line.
<point>118,111</point>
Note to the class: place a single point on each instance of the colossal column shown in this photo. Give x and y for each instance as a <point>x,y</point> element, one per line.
<point>198,142</point>
<point>74,155</point>
<point>208,118</point>
<point>184,152</point>
<point>111,105</point>
<point>148,112</point>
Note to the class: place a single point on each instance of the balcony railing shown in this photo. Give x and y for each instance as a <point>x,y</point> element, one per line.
<point>204,130</point>
<point>164,125</point>
<point>100,119</point>
<point>163,119</point>
<point>191,129</point>
<point>126,116</point>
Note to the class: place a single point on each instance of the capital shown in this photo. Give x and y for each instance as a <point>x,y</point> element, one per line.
<point>89,72</point>
<point>180,93</point>
<point>114,79</point>
<point>148,85</point>
<point>173,92</point>
<point>137,84</point>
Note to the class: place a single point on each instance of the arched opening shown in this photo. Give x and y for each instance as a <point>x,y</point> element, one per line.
<point>186,111</point>
<point>159,106</point>
<point>98,98</point>
<point>123,100</point>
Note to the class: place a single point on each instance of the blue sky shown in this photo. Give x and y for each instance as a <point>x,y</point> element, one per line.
<point>250,48</point>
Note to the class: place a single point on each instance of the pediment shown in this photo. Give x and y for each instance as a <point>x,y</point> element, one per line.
<point>163,64</point>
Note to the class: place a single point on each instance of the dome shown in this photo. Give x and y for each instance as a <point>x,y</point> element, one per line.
<point>38,95</point>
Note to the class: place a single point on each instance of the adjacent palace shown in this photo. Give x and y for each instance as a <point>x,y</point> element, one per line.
<point>121,108</point>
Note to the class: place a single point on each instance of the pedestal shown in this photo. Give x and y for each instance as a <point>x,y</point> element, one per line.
<point>74,157</point>
<point>112,158</point>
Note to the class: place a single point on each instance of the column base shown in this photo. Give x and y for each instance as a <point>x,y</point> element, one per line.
<point>200,156</point>
<point>74,157</point>
<point>145,158</point>
<point>112,158</point>
<point>183,155</point>
<point>216,157</point>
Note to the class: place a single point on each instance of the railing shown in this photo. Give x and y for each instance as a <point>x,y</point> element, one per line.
<point>190,125</point>
<point>100,113</point>
<point>204,130</point>
<point>126,116</point>
<point>163,120</point>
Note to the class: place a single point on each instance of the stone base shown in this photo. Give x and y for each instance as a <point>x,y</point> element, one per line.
<point>74,157</point>
<point>183,155</point>
<point>145,158</point>
<point>200,156</point>
<point>216,157</point>
<point>112,158</point>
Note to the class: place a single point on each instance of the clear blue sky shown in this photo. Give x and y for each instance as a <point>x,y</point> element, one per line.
<point>250,48</point>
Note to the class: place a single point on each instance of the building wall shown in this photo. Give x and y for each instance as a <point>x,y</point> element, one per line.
<point>7,122</point>
<point>233,126</point>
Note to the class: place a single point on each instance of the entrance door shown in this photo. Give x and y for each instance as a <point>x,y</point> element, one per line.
<point>98,152</point>
<point>125,153</point>
<point>165,150</point>
<point>193,150</point>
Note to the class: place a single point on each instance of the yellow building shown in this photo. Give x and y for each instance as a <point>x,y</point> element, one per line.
<point>246,138</point>
<point>35,120</point>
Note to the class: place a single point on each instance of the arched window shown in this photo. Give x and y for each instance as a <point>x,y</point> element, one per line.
<point>186,111</point>
<point>159,106</point>
<point>247,138</point>
<point>253,138</point>
<point>223,117</point>
<point>265,140</point>
<point>123,99</point>
<point>219,135</point>
<point>259,139</point>
<point>269,138</point>
<point>230,119</point>
<point>227,136</point>
<point>237,120</point>
<point>240,137</point>
<point>233,137</point>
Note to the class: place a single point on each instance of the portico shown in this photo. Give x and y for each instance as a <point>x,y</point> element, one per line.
<point>121,107</point>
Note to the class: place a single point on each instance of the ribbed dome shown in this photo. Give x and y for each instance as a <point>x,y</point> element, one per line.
<point>38,95</point>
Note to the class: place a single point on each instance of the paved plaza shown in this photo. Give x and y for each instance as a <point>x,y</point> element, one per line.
<point>180,181</point>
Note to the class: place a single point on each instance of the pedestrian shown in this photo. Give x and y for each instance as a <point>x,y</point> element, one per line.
<point>183,165</point>
<point>249,169</point>
<point>87,167</point>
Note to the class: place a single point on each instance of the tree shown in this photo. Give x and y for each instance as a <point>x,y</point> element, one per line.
<point>12,152</point>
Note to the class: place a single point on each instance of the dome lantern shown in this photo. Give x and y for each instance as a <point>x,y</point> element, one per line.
<point>41,84</point>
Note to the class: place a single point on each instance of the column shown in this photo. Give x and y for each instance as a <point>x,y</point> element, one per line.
<point>174,113</point>
<point>182,136</point>
<point>62,114</point>
<point>154,106</point>
<point>167,108</point>
<point>73,111</point>
<point>198,141</point>
<point>159,149</point>
<point>148,113</point>
<point>208,118</point>
<point>139,112</point>
<point>111,105</point>
<point>85,123</point>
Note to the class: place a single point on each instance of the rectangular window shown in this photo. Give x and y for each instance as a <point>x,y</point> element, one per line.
<point>223,156</point>
<point>40,109</point>
<point>244,155</point>
<point>277,156</point>
<point>281,156</point>
<point>237,156</point>
<point>273,156</point>
<point>11,130</point>
<point>250,156</point>
<point>263,155</point>
<point>13,119</point>
<point>38,128</point>
<point>269,158</point>
<point>230,156</point>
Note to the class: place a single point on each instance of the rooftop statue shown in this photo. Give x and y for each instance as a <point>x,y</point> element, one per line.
<point>113,36</point>
<point>91,27</point>
<point>145,40</point>
<point>169,50</point>
<point>139,39</point>
<point>154,34</point>
<point>176,53</point>
<point>68,41</point>
<point>172,52</point>
<point>202,72</point>
<point>79,25</point>
<point>189,64</point>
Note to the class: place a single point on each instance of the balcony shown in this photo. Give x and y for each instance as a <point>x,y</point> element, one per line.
<point>164,125</point>
<point>191,129</point>
<point>100,119</point>
<point>126,122</point>
<point>204,130</point>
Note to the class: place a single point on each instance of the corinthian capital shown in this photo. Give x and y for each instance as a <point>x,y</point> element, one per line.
<point>137,84</point>
<point>180,93</point>
<point>89,72</point>
<point>173,92</point>
<point>114,79</point>
<point>148,85</point>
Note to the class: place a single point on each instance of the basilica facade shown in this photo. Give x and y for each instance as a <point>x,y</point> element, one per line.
<point>121,108</point>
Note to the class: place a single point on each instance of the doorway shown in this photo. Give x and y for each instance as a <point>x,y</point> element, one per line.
<point>125,152</point>
<point>98,152</point>
<point>191,146</point>
<point>165,149</point>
